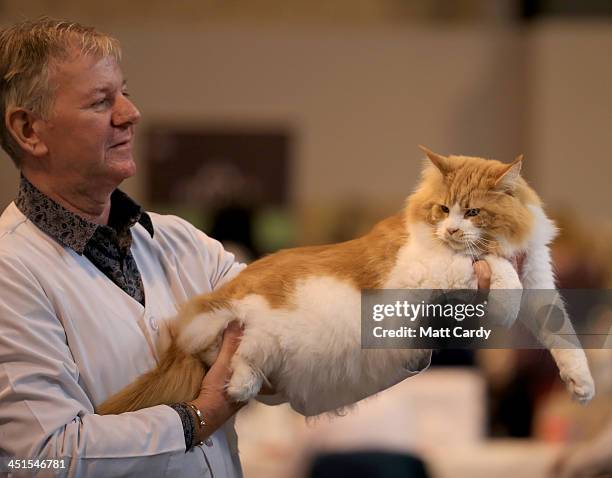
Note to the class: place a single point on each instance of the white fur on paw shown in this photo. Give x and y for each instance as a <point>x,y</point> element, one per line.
<point>580,385</point>
<point>244,384</point>
<point>503,275</point>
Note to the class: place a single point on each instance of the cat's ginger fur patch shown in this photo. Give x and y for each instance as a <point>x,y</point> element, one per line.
<point>272,286</point>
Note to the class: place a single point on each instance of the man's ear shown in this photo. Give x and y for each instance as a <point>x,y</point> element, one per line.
<point>24,127</point>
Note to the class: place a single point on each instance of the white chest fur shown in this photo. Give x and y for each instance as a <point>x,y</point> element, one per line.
<point>425,263</point>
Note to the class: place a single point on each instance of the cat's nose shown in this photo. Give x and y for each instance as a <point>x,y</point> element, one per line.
<point>452,231</point>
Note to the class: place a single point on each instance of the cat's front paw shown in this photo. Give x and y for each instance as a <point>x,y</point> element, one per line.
<point>580,384</point>
<point>503,274</point>
<point>504,301</point>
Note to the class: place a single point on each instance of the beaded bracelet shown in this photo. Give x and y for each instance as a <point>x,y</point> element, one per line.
<point>188,422</point>
<point>198,414</point>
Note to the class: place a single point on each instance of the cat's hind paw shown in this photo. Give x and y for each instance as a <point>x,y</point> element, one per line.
<point>581,386</point>
<point>245,382</point>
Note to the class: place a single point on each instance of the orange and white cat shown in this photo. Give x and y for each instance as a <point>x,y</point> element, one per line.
<point>301,307</point>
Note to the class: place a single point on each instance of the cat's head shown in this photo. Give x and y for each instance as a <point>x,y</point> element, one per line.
<point>474,205</point>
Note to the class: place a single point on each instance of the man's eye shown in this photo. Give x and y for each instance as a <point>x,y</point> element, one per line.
<point>100,102</point>
<point>472,212</point>
<point>444,209</point>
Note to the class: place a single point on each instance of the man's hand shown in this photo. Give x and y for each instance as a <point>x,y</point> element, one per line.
<point>483,274</point>
<point>213,401</point>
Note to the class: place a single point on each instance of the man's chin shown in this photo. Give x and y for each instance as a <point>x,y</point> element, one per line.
<point>119,171</point>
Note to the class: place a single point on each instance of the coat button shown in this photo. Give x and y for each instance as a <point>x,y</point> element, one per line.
<point>154,324</point>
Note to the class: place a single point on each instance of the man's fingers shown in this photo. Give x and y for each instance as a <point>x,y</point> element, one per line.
<point>231,341</point>
<point>517,262</point>
<point>267,390</point>
<point>483,274</point>
<point>220,369</point>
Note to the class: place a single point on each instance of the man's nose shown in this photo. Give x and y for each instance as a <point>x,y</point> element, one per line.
<point>124,112</point>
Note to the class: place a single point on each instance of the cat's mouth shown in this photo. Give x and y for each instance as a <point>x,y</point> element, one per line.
<point>456,244</point>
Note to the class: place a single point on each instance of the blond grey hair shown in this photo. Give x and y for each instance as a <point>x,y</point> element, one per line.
<point>27,51</point>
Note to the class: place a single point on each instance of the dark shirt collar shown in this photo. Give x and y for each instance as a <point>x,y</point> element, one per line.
<point>71,230</point>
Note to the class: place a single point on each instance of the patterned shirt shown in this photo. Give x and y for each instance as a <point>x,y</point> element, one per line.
<point>107,247</point>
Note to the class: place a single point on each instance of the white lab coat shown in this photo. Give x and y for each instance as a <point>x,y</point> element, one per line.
<point>70,337</point>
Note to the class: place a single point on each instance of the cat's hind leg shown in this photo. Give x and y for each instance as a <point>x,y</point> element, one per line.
<point>245,382</point>
<point>259,354</point>
<point>256,359</point>
<point>199,331</point>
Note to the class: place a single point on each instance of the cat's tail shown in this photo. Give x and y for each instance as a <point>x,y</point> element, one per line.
<point>194,335</point>
<point>177,378</point>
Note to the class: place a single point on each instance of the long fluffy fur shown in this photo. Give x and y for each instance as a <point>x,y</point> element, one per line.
<point>301,307</point>
<point>177,378</point>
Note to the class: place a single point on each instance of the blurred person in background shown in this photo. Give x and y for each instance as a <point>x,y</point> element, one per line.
<point>232,225</point>
<point>579,265</point>
<point>589,460</point>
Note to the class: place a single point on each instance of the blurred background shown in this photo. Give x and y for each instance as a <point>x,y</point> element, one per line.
<point>274,123</point>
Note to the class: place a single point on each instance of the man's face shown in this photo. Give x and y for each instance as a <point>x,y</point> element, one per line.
<point>90,129</point>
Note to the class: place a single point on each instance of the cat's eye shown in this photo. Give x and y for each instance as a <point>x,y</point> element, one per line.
<point>472,212</point>
<point>444,208</point>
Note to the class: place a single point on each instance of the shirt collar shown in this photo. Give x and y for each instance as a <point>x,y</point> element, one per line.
<point>71,230</point>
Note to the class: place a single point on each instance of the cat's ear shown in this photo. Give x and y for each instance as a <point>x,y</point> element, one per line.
<point>508,177</point>
<point>439,161</point>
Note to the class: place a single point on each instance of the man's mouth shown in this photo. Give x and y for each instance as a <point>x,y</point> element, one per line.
<point>125,142</point>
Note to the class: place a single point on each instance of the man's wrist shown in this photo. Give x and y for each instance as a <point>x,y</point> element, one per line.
<point>201,428</point>
<point>188,422</point>
<point>195,425</point>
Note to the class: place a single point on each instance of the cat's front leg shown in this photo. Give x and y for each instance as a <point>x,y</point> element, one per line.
<point>562,342</point>
<point>503,274</point>
<point>569,356</point>
<point>504,300</point>
<point>574,371</point>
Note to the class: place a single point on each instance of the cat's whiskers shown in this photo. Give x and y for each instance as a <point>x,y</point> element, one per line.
<point>474,236</point>
<point>470,250</point>
<point>484,247</point>
<point>476,249</point>
<point>481,243</point>
<point>483,240</point>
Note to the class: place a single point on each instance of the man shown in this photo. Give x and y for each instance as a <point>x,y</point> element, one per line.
<point>87,276</point>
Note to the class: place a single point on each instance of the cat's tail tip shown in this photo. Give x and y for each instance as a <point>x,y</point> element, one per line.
<point>177,378</point>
